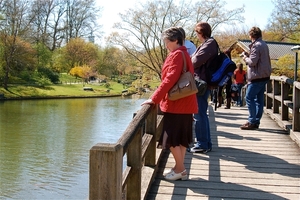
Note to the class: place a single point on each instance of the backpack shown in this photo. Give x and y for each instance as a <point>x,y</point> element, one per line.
<point>219,70</point>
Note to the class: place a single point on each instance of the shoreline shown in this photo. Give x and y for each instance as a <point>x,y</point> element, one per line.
<point>60,97</point>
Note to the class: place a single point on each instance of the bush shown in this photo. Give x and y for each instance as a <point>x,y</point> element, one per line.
<point>48,73</point>
<point>107,85</point>
<point>44,81</point>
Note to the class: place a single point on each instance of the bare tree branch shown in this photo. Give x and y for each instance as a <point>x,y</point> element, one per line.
<point>139,33</point>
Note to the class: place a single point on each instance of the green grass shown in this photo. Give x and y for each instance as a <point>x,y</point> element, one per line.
<point>69,87</point>
<point>61,90</point>
<point>66,78</point>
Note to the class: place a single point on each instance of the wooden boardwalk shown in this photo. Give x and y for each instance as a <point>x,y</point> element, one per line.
<point>244,164</point>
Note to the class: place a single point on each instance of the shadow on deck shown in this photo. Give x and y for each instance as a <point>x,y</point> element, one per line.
<point>244,164</point>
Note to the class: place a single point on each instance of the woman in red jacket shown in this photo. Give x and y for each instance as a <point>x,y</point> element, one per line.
<point>178,114</point>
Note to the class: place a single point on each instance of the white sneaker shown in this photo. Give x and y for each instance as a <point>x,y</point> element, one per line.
<point>175,176</point>
<point>168,171</point>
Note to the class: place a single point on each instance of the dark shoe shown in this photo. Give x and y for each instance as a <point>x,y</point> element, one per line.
<point>249,126</point>
<point>207,150</point>
<point>228,103</point>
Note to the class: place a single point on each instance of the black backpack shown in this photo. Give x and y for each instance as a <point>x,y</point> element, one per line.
<point>219,70</point>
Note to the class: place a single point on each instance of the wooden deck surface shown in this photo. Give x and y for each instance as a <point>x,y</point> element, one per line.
<point>244,164</point>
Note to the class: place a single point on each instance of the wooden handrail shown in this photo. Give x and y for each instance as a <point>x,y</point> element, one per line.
<point>139,140</point>
<point>282,103</point>
<point>138,143</point>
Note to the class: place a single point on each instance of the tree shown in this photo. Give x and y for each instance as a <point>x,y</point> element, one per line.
<point>47,22</point>
<point>108,59</point>
<point>12,28</point>
<point>81,18</point>
<point>78,52</point>
<point>285,66</point>
<point>44,55</point>
<point>55,22</point>
<point>84,72</point>
<point>140,31</point>
<point>16,56</point>
<point>285,20</point>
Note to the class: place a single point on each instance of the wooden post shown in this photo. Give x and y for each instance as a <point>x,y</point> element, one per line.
<point>276,91</point>
<point>134,160</point>
<point>151,122</point>
<point>269,91</point>
<point>284,96</point>
<point>105,171</point>
<point>296,106</point>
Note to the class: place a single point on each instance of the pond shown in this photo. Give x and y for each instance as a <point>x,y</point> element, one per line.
<point>44,144</point>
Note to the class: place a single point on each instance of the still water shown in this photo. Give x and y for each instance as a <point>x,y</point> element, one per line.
<point>44,144</point>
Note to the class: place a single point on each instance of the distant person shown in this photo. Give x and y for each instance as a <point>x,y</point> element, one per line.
<point>227,88</point>
<point>178,115</point>
<point>203,54</point>
<point>258,74</point>
<point>239,76</point>
<point>191,47</point>
<point>227,94</point>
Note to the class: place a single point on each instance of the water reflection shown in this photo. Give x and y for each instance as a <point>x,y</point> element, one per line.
<point>44,144</point>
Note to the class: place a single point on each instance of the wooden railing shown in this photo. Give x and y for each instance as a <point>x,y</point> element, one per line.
<point>108,179</point>
<point>283,104</point>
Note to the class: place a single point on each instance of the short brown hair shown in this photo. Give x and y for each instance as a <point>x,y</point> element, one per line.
<point>182,31</point>
<point>204,29</point>
<point>173,34</point>
<point>255,32</point>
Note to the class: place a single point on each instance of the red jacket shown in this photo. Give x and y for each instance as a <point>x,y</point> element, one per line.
<point>171,72</point>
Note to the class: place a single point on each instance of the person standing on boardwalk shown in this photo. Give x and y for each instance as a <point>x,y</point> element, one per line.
<point>178,115</point>
<point>190,46</point>
<point>239,76</point>
<point>203,55</point>
<point>258,74</point>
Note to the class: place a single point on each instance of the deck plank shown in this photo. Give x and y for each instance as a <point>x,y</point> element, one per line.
<point>244,164</point>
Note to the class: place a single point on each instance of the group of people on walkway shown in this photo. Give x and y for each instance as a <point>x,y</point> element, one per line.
<point>181,114</point>
<point>233,88</point>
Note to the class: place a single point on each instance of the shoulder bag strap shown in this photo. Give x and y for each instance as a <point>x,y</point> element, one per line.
<point>184,63</point>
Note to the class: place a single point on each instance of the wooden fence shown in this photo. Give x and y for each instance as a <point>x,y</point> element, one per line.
<point>108,179</point>
<point>283,104</point>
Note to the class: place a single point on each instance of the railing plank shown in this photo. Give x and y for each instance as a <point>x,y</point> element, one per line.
<point>284,96</point>
<point>269,94</point>
<point>146,140</point>
<point>276,93</point>
<point>151,123</point>
<point>134,160</point>
<point>296,107</point>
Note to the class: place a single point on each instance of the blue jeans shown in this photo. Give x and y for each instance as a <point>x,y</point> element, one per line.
<point>202,128</point>
<point>239,100</point>
<point>255,101</point>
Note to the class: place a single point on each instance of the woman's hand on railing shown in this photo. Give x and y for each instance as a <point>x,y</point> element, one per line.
<point>148,101</point>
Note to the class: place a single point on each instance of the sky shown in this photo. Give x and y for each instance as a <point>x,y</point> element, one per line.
<point>257,12</point>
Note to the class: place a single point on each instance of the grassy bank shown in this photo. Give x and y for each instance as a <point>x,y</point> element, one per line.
<point>69,87</point>
<point>60,90</point>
